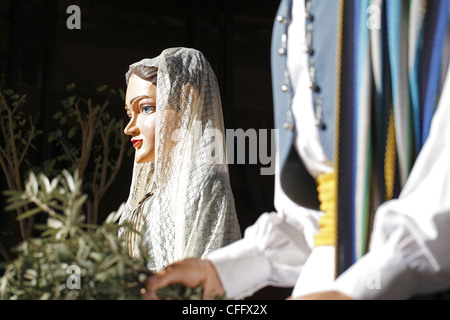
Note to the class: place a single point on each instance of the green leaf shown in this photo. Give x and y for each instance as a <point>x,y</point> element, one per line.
<point>72,132</point>
<point>9,193</point>
<point>102,88</point>
<point>71,100</point>
<point>29,213</point>
<point>122,94</point>
<point>54,135</point>
<point>113,217</point>
<point>69,180</point>
<point>48,166</point>
<point>71,86</point>
<point>54,223</point>
<point>31,186</point>
<point>16,204</point>
<point>44,183</point>
<point>57,115</point>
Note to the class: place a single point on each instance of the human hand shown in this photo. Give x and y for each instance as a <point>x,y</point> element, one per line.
<point>326,295</point>
<point>191,273</point>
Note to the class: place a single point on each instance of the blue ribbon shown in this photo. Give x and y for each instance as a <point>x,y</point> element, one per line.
<point>439,13</point>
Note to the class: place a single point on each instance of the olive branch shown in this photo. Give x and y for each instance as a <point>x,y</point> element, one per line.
<point>106,270</point>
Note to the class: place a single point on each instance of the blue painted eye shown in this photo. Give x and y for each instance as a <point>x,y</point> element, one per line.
<point>147,109</point>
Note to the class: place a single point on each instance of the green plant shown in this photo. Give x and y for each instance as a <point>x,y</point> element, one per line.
<point>92,146</point>
<point>45,265</point>
<point>105,270</point>
<point>91,142</point>
<point>88,138</point>
<point>17,134</point>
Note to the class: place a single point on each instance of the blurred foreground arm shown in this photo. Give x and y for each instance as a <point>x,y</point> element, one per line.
<point>191,273</point>
<point>272,252</point>
<point>326,295</point>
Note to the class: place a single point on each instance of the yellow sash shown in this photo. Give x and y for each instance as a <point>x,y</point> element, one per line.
<point>326,186</point>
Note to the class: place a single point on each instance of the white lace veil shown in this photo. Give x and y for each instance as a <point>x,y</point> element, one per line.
<point>192,211</point>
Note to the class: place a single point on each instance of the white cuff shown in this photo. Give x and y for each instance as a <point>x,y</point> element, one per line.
<point>380,274</point>
<point>242,267</point>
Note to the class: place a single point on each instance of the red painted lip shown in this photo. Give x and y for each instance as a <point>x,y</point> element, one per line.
<point>135,142</point>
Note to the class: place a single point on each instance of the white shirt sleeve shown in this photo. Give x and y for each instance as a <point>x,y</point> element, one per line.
<point>410,252</point>
<point>272,252</point>
<point>274,249</point>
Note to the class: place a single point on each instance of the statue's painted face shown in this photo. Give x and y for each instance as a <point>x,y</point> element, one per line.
<point>140,104</point>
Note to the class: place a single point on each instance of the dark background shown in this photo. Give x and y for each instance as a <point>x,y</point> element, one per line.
<point>40,56</point>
